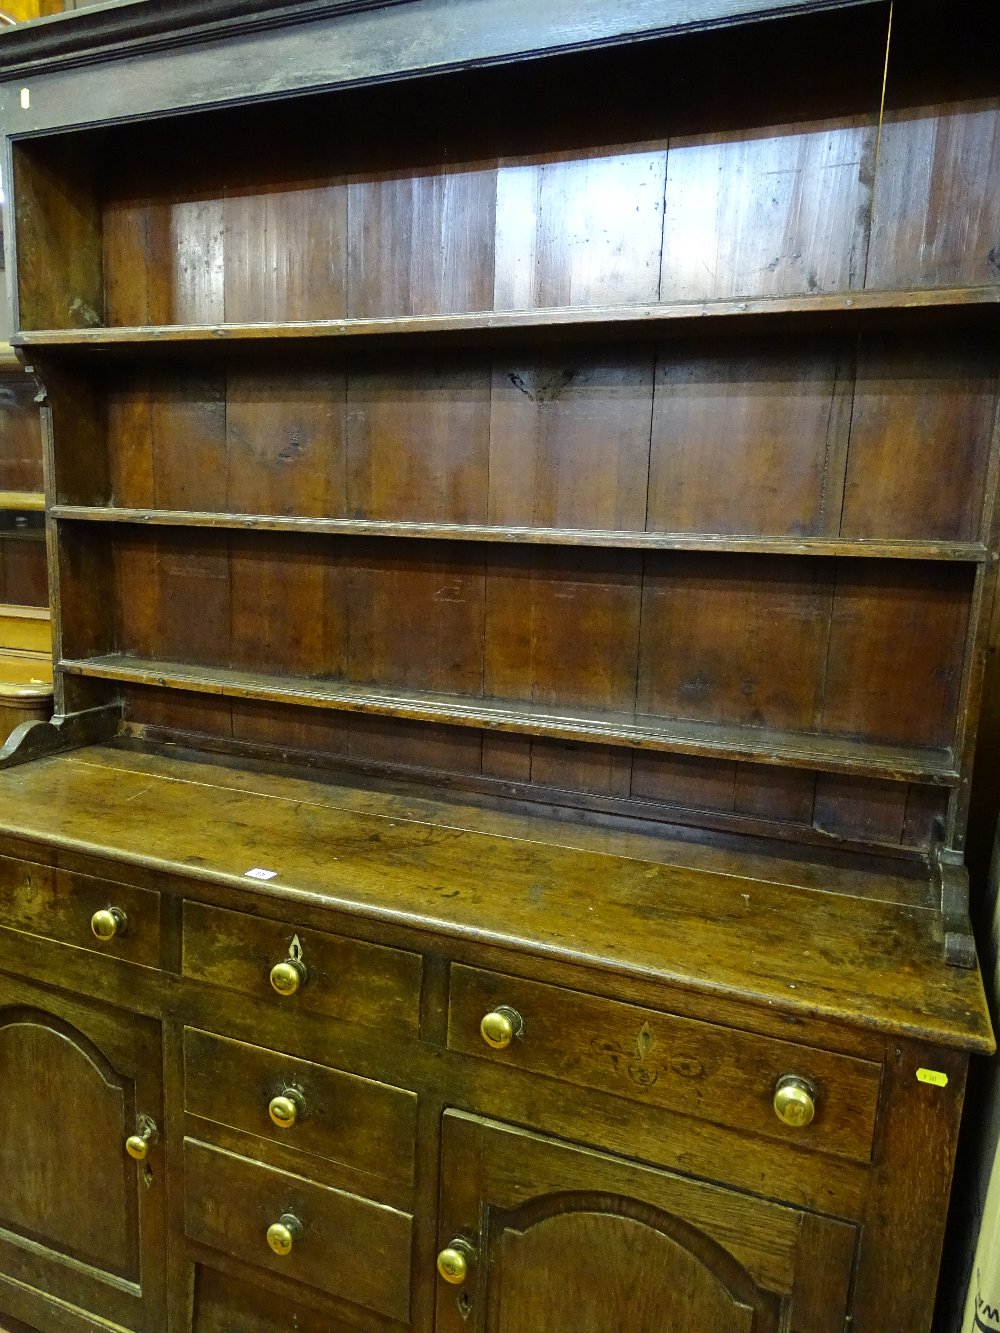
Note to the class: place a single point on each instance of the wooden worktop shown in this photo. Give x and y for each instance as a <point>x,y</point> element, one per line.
<point>844,943</point>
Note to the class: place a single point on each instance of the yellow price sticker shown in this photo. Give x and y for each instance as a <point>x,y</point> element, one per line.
<point>934,1076</point>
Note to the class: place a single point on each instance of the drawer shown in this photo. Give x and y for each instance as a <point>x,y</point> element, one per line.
<point>344,979</point>
<point>59,905</point>
<point>367,1125</point>
<point>349,1247</point>
<point>717,1074</point>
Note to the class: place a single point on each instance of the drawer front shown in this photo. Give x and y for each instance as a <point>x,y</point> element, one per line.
<point>714,1073</point>
<point>59,905</point>
<point>344,979</point>
<point>366,1125</point>
<point>350,1247</point>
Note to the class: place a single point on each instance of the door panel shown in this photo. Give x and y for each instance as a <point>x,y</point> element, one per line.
<point>80,1221</point>
<point>568,1240</point>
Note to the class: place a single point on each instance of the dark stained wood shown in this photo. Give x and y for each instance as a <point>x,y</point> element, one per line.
<point>715,630</point>
<point>625,539</point>
<point>59,905</point>
<point>940,144</point>
<point>349,981</point>
<point>350,1247</point>
<point>750,438</point>
<point>896,652</point>
<point>641,731</point>
<point>569,441</point>
<point>920,439</point>
<point>660,1060</point>
<point>285,442</point>
<point>714,1275</point>
<point>383,866</point>
<point>363,1124</point>
<point>94,1068</point>
<point>841,303</point>
<point>524,536</point>
<point>417,442</point>
<point>220,1304</point>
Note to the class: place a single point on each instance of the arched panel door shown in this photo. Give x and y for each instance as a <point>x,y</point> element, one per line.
<point>80,1220</point>
<point>561,1239</point>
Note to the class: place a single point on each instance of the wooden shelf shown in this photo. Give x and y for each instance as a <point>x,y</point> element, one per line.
<point>485,321</point>
<point>679,736</point>
<point>473,532</point>
<point>34,500</point>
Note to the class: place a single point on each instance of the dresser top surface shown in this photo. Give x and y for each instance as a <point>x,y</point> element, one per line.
<point>828,941</point>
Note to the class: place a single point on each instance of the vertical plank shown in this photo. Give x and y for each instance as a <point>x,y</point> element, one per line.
<point>129,414</point>
<point>404,744</point>
<point>203,715</point>
<point>135,556</point>
<point>305,251</point>
<point>188,419</point>
<point>569,439</point>
<point>597,769</point>
<point>59,252</point>
<point>734,639</point>
<point>421,241</point>
<point>860,809</point>
<point>906,1209</point>
<point>562,626</point>
<point>285,446</point>
<point>418,439</point>
<point>897,642</point>
<point>192,598</point>
<point>583,228</point>
<point>750,437</point>
<point>307,729</point>
<point>136,234</point>
<point>926,811</point>
<point>415,614</point>
<point>920,437</point>
<point>775,793</point>
<point>289,605</point>
<point>684,780</point>
<point>936,215</point>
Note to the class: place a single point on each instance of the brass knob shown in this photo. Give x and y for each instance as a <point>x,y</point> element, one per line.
<point>137,1145</point>
<point>794,1100</point>
<point>500,1026</point>
<point>109,922</point>
<point>288,975</point>
<point>282,1235</point>
<point>453,1262</point>
<point>286,1109</point>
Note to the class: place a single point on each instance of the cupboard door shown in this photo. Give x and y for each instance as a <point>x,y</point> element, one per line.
<point>561,1239</point>
<point>81,1222</point>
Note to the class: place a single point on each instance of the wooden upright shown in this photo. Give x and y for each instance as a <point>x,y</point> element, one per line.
<point>521,506</point>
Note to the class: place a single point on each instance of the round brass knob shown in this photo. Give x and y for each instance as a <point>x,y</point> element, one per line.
<point>288,975</point>
<point>282,1235</point>
<point>453,1262</point>
<point>500,1026</point>
<point>108,922</point>
<point>794,1101</point>
<point>137,1145</point>
<point>286,1109</point>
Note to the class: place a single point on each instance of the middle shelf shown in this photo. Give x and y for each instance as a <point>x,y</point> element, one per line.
<point>620,538</point>
<point>831,754</point>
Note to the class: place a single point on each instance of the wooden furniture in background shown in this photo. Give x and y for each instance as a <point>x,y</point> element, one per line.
<point>25,629</point>
<point>519,543</point>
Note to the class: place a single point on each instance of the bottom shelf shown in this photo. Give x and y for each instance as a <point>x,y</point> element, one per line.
<point>635,731</point>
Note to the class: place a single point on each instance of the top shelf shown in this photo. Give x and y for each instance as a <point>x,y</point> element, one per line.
<point>551,317</point>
